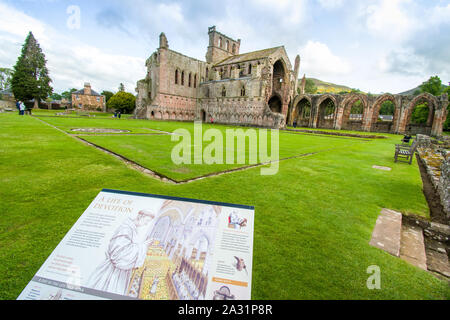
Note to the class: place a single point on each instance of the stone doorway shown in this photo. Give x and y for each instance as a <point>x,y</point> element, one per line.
<point>275,104</point>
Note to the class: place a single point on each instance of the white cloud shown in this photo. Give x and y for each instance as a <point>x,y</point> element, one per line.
<point>70,62</point>
<point>331,4</point>
<point>390,20</point>
<point>403,61</point>
<point>318,60</point>
<point>290,12</point>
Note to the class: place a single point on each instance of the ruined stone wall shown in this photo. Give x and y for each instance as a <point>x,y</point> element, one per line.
<point>444,183</point>
<point>400,124</point>
<point>240,111</point>
<point>189,73</point>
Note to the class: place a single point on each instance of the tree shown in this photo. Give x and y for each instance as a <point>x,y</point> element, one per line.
<point>56,96</point>
<point>107,94</point>
<point>420,114</point>
<point>123,101</point>
<point>387,108</point>
<point>5,78</point>
<point>433,86</point>
<point>68,94</point>
<point>310,86</point>
<point>357,108</point>
<point>30,78</point>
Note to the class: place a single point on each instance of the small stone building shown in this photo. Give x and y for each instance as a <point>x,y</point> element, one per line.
<point>87,99</point>
<point>252,89</point>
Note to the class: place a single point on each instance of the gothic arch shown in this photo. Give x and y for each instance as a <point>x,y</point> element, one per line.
<point>325,119</point>
<point>344,118</point>
<point>407,126</point>
<point>387,126</point>
<point>301,113</point>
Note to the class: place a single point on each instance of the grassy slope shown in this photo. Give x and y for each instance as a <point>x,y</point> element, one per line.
<point>313,220</point>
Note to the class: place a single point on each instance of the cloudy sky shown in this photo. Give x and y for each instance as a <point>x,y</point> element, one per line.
<point>373,45</point>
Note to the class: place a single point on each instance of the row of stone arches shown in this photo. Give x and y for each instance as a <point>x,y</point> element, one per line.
<point>384,113</point>
<point>236,118</point>
<point>171,115</point>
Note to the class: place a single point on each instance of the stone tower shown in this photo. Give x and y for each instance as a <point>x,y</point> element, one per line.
<point>220,46</point>
<point>163,43</point>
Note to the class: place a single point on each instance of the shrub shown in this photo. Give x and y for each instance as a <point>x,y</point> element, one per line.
<point>123,101</point>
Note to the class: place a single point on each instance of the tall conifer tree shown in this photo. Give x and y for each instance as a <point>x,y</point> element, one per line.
<point>30,78</point>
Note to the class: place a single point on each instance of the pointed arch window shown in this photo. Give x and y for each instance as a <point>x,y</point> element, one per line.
<point>190,80</point>
<point>176,76</point>
<point>243,91</point>
<point>195,80</point>
<point>182,78</point>
<point>224,92</point>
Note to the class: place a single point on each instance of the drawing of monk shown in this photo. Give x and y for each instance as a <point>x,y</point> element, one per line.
<point>124,254</point>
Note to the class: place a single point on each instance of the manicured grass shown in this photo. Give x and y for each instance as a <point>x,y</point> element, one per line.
<point>96,114</point>
<point>313,220</point>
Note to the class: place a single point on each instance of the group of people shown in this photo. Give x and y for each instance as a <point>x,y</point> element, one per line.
<point>117,114</point>
<point>21,107</point>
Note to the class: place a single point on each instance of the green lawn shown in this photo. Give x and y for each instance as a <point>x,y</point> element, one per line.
<point>313,220</point>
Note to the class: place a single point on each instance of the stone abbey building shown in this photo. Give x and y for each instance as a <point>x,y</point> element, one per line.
<point>253,88</point>
<point>260,89</point>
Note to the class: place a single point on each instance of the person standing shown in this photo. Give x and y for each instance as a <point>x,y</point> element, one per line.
<point>22,108</point>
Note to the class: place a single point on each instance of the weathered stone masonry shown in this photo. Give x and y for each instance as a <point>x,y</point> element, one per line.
<point>259,89</point>
<point>339,117</point>
<point>247,89</point>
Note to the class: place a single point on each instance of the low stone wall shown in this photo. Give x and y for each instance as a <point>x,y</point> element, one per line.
<point>437,163</point>
<point>5,104</point>
<point>444,183</point>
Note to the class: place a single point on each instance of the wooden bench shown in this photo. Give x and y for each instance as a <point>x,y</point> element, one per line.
<point>405,152</point>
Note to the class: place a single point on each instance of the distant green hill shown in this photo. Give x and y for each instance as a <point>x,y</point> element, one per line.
<point>328,87</point>
<point>411,92</point>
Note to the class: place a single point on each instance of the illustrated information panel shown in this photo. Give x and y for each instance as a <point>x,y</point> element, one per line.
<point>141,246</point>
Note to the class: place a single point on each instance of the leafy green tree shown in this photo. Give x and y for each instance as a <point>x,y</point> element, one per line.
<point>310,86</point>
<point>357,108</point>
<point>30,78</point>
<point>68,94</point>
<point>107,94</point>
<point>420,114</point>
<point>123,101</point>
<point>5,78</point>
<point>433,86</point>
<point>56,96</point>
<point>387,108</point>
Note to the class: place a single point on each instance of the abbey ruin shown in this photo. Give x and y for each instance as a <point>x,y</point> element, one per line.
<point>261,89</point>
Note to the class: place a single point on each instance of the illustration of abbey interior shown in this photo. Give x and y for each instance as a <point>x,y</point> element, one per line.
<point>176,266</point>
